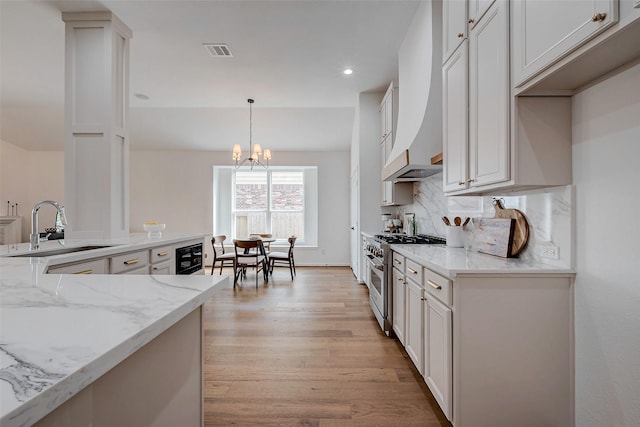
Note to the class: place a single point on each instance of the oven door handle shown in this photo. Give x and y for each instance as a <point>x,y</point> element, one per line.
<point>376,265</point>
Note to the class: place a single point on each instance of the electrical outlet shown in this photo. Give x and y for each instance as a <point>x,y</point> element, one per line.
<point>550,251</point>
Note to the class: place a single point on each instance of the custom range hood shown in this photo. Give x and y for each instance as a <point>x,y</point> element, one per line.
<point>419,130</point>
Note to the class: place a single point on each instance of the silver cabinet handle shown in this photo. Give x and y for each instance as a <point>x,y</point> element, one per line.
<point>131,261</point>
<point>434,285</point>
<point>397,261</point>
<point>412,270</point>
<point>84,272</point>
<point>163,253</point>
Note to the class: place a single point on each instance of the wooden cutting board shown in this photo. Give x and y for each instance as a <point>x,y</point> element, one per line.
<point>521,231</point>
<point>494,236</point>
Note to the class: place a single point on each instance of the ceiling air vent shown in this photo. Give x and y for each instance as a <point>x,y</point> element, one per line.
<point>217,49</point>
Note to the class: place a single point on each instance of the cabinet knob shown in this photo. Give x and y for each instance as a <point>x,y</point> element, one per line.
<point>461,183</point>
<point>460,35</point>
<point>598,17</point>
<point>471,180</point>
<point>423,299</point>
<point>471,21</point>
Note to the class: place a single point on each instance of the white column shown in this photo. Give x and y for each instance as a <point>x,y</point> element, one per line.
<point>96,125</point>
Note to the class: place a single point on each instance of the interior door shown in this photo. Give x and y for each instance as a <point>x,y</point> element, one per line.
<point>355,240</point>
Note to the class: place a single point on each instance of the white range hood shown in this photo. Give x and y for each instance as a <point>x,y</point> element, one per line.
<point>419,130</point>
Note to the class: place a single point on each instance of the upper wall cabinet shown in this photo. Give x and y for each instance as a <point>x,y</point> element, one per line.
<point>493,140</point>
<point>454,26</point>
<point>477,9</point>
<point>545,31</point>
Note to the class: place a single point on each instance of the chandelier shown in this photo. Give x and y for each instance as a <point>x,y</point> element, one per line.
<point>255,151</point>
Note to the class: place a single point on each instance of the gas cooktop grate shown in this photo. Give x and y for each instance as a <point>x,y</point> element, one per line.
<point>419,239</point>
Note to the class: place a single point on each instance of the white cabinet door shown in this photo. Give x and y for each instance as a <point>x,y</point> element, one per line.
<point>477,8</point>
<point>545,31</point>
<point>164,267</point>
<point>455,118</point>
<point>454,26</point>
<point>438,349</point>
<point>387,186</point>
<point>399,298</point>
<point>414,334</point>
<point>489,97</point>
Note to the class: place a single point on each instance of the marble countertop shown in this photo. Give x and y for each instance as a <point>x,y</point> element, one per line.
<point>59,333</point>
<point>451,262</point>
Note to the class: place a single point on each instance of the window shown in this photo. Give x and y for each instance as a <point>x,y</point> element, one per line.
<point>280,200</point>
<point>269,202</point>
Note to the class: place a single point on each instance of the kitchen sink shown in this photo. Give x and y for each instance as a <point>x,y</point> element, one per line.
<point>61,251</point>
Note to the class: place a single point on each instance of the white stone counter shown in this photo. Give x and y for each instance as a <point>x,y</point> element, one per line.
<point>451,262</point>
<point>59,333</point>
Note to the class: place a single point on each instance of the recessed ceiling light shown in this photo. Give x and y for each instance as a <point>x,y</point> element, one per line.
<point>141,96</point>
<point>348,71</point>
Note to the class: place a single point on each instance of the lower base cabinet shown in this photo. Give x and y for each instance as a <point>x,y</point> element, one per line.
<point>437,352</point>
<point>414,334</point>
<point>495,349</point>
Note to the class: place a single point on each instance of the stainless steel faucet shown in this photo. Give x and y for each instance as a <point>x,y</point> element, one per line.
<point>35,236</point>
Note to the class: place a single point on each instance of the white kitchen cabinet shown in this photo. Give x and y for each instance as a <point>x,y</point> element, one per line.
<point>546,31</point>
<point>95,266</point>
<point>392,193</point>
<point>438,352</point>
<point>483,335</point>
<point>162,260</point>
<point>414,333</point>
<point>389,113</point>
<point>399,300</point>
<point>489,95</point>
<point>493,140</point>
<point>454,26</point>
<point>125,263</point>
<point>477,9</point>
<point>455,117</point>
<point>476,106</point>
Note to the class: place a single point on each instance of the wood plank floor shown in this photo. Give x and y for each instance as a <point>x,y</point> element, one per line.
<point>307,352</point>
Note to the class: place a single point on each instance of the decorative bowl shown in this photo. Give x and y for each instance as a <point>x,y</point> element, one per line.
<point>153,229</point>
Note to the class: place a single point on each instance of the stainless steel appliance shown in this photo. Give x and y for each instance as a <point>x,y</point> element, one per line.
<point>189,259</point>
<point>378,275</point>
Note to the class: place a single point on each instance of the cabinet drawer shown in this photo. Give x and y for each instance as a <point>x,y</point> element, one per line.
<point>161,268</point>
<point>438,286</point>
<point>398,261</point>
<point>130,261</point>
<point>413,271</point>
<point>97,266</point>
<point>163,253</point>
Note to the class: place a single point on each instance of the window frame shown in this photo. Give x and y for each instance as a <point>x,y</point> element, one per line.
<point>224,211</point>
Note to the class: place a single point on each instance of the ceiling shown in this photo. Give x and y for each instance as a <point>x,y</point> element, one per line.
<point>287,55</point>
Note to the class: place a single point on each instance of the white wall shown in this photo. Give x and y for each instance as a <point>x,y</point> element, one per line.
<point>606,149</point>
<point>27,177</point>
<point>175,187</point>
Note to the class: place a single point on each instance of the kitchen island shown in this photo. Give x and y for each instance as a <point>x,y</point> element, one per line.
<point>108,349</point>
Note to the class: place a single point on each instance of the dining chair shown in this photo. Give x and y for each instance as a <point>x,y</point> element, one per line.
<point>219,254</point>
<point>249,255</point>
<point>284,259</point>
<point>266,245</point>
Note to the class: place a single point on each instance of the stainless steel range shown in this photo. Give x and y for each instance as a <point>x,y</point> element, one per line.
<point>378,272</point>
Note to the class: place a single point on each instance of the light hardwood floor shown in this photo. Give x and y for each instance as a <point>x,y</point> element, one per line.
<point>307,352</point>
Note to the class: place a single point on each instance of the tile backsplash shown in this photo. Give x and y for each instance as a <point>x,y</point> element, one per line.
<point>549,212</point>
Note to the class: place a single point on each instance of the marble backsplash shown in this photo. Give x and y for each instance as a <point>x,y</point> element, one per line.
<point>549,212</point>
